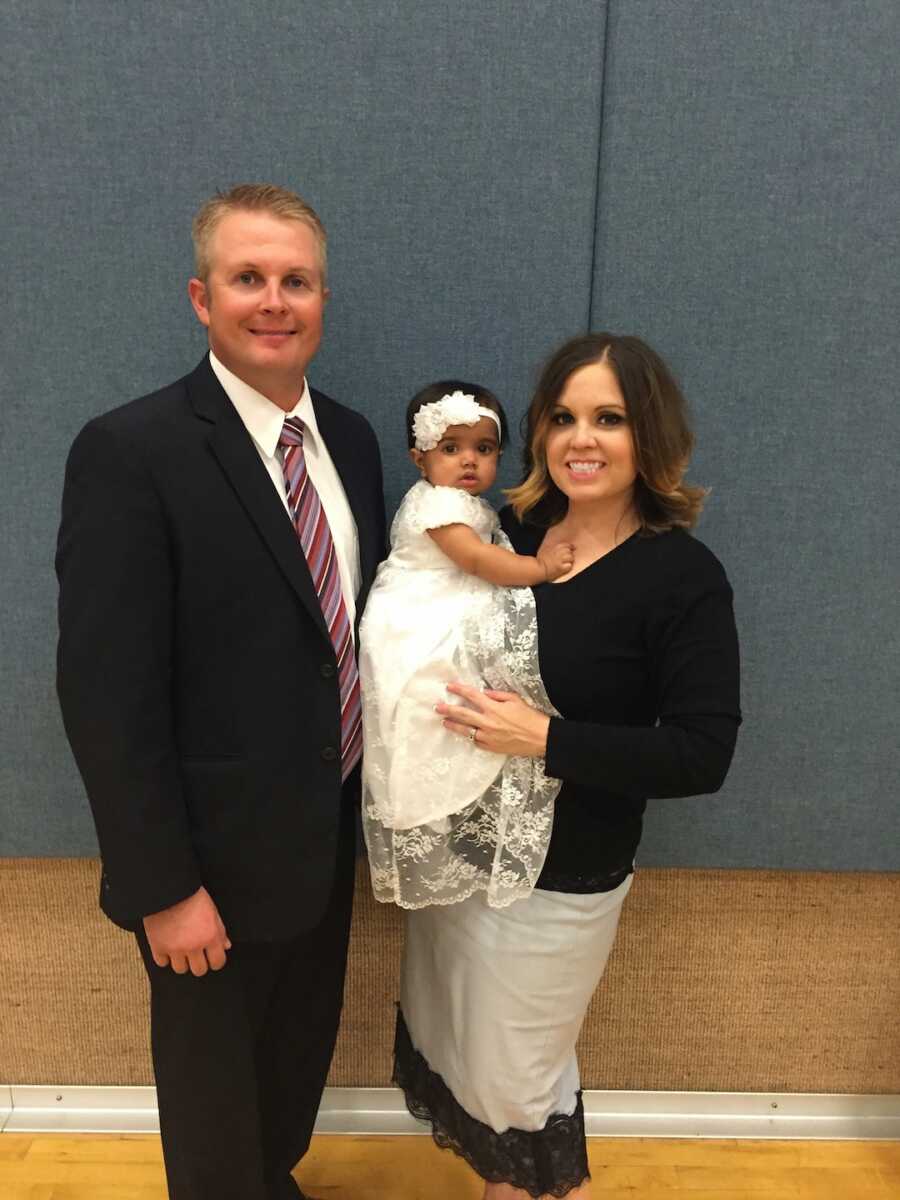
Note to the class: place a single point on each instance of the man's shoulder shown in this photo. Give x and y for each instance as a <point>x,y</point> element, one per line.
<point>336,409</point>
<point>155,408</point>
<point>151,423</point>
<point>333,411</point>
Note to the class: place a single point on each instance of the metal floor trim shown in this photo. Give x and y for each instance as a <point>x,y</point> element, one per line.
<point>64,1109</point>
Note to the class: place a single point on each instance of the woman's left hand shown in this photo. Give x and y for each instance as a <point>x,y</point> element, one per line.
<point>501,721</point>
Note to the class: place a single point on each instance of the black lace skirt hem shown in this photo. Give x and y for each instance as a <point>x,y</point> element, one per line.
<point>550,1161</point>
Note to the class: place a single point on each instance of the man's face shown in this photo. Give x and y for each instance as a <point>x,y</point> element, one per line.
<point>263,300</point>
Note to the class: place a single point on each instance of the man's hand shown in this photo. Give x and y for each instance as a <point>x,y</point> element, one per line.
<point>189,936</point>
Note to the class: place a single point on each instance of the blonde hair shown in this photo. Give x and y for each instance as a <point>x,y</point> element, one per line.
<point>253,197</point>
<point>657,416</point>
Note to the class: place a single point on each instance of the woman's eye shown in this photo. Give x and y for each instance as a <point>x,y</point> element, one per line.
<point>611,419</point>
<point>561,418</point>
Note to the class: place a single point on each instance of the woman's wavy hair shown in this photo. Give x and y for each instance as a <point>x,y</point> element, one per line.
<point>657,418</point>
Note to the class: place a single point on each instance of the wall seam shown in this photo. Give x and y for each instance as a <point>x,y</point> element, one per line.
<point>600,114</point>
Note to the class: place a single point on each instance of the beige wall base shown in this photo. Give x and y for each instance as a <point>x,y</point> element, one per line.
<point>724,981</point>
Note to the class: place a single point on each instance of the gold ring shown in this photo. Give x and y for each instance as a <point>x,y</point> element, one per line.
<point>472,732</point>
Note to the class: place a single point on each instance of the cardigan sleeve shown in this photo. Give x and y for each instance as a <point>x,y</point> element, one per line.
<point>693,651</point>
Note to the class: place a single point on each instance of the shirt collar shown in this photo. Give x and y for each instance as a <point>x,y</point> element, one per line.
<point>262,418</point>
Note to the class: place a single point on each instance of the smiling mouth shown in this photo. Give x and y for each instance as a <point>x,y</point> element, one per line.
<point>273,332</point>
<point>585,468</point>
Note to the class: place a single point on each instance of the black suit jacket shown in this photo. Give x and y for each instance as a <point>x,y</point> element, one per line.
<point>195,672</point>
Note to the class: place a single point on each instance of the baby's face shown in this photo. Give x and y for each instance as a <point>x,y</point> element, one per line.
<point>466,457</point>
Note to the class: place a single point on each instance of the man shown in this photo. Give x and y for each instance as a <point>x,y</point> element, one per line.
<point>218,539</point>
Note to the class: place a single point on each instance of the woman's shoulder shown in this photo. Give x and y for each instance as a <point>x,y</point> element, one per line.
<point>676,550</point>
<point>681,546</point>
<point>524,537</point>
<point>683,560</point>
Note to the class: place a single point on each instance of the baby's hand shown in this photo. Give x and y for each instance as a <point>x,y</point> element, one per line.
<point>558,560</point>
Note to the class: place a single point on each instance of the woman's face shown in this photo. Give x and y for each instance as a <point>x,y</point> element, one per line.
<point>589,447</point>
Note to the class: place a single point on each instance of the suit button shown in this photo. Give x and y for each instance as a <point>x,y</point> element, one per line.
<point>326,670</point>
<point>329,753</point>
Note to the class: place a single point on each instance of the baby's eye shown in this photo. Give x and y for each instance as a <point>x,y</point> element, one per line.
<point>449,447</point>
<point>486,448</point>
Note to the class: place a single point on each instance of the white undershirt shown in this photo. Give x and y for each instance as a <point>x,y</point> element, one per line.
<point>263,421</point>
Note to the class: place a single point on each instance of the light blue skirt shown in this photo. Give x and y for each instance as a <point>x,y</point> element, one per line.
<point>494,999</point>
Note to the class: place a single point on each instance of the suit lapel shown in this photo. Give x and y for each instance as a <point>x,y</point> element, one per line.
<point>239,459</point>
<point>354,473</point>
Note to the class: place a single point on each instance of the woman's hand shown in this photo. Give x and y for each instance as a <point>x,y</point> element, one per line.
<point>499,721</point>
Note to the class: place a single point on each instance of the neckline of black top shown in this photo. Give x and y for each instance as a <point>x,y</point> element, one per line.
<point>590,566</point>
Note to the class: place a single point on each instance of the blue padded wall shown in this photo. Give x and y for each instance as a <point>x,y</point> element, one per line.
<point>743,219</point>
<point>748,227</point>
<point>452,161</point>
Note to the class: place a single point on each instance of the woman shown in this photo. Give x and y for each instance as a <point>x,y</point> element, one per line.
<point>638,652</point>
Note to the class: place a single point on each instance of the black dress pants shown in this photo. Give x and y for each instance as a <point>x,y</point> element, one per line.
<point>241,1055</point>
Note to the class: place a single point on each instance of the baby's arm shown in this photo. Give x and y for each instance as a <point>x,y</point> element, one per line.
<point>495,564</point>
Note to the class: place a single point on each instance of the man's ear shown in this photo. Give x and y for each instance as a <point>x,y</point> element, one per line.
<point>326,295</point>
<point>199,297</point>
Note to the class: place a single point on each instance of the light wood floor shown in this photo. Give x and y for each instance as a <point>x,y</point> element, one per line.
<point>88,1167</point>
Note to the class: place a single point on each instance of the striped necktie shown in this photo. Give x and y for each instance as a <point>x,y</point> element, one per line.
<point>318,546</point>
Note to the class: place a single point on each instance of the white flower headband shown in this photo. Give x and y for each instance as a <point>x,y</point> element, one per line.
<point>433,420</point>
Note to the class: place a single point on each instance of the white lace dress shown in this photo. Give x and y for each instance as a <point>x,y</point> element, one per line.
<point>443,818</point>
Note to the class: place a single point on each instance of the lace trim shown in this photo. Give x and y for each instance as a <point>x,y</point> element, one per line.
<point>441,818</point>
<point>551,1161</point>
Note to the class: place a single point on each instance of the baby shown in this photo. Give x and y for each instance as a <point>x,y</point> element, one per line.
<point>441,816</point>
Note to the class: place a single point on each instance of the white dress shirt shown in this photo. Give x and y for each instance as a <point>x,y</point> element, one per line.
<point>263,421</point>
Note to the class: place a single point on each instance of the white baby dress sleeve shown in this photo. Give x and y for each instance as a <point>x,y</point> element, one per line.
<point>433,507</point>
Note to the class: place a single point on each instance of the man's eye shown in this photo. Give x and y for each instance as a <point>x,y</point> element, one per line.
<point>297,281</point>
<point>246,277</point>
